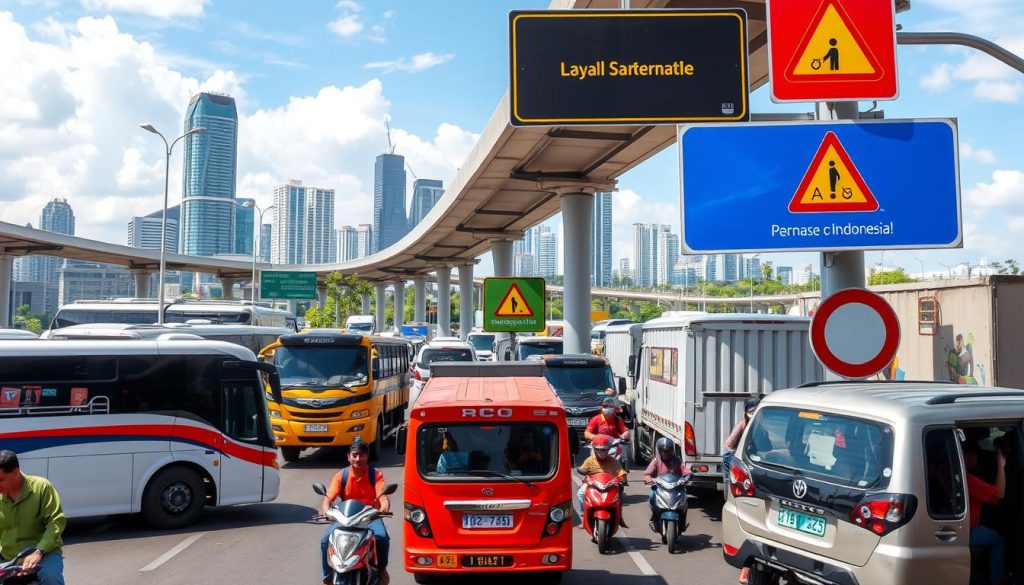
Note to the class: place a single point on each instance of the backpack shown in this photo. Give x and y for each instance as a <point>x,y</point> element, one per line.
<point>370,471</point>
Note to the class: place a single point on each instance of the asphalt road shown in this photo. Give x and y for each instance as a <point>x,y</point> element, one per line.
<point>276,543</point>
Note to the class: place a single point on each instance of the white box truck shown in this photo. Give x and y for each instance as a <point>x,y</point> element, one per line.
<point>695,371</point>
<point>621,342</point>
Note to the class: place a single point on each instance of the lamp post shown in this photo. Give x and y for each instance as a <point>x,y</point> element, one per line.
<point>922,267</point>
<point>163,217</point>
<point>750,270</point>
<point>256,242</point>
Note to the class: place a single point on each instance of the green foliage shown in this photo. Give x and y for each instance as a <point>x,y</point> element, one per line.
<point>898,276</point>
<point>344,298</point>
<point>1009,266</point>
<point>25,319</point>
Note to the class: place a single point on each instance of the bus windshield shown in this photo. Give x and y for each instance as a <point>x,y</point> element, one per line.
<point>69,317</point>
<point>525,350</point>
<point>491,452</point>
<point>576,381</point>
<point>321,367</point>
<point>481,342</point>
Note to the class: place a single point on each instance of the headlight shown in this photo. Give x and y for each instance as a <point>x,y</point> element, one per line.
<point>360,413</point>
<point>275,414</point>
<point>345,543</point>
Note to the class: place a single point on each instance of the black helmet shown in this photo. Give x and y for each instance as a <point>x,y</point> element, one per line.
<point>666,447</point>
<point>750,404</point>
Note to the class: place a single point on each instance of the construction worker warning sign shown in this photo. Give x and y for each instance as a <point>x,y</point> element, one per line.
<point>514,304</point>
<point>832,182</point>
<point>832,50</point>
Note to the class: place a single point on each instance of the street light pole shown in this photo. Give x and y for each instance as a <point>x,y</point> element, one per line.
<point>922,267</point>
<point>257,240</point>
<point>163,217</point>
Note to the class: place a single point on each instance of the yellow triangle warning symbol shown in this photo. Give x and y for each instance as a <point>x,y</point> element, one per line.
<point>832,183</point>
<point>514,305</point>
<point>833,49</point>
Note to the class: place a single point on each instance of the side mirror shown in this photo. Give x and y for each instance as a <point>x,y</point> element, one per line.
<point>401,438</point>
<point>320,489</point>
<point>390,489</point>
<point>631,365</point>
<point>375,366</point>
<point>622,386</point>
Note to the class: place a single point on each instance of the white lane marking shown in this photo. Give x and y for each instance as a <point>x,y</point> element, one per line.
<point>171,553</point>
<point>638,559</point>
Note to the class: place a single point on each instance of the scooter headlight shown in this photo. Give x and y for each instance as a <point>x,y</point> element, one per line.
<point>345,544</point>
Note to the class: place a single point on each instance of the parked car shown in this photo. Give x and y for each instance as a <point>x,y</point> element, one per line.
<point>483,344</point>
<point>440,349</point>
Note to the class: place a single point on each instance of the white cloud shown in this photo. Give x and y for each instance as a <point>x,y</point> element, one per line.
<point>349,5</point>
<point>629,207</point>
<point>939,79</point>
<point>1005,190</point>
<point>969,152</point>
<point>389,14</point>
<point>164,9</point>
<point>998,91</point>
<point>377,34</point>
<point>1016,224</point>
<point>346,26</point>
<point>418,63</point>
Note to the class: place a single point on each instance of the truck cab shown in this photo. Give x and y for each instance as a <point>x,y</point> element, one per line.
<point>582,382</point>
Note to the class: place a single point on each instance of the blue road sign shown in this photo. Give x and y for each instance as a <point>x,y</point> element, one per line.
<point>853,185</point>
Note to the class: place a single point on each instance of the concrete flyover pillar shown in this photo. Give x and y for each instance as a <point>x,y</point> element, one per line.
<point>321,293</point>
<point>501,256</point>
<point>6,278</point>
<point>399,304</point>
<point>226,286</point>
<point>419,311</point>
<point>142,278</point>
<point>444,301</point>
<point>577,212</point>
<point>366,304</point>
<point>465,300</point>
<point>380,291</point>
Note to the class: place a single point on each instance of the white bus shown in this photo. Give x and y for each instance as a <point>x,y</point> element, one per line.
<point>161,428</point>
<point>251,337</point>
<point>143,311</point>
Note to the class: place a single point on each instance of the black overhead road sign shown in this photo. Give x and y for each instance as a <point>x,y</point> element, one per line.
<point>628,67</point>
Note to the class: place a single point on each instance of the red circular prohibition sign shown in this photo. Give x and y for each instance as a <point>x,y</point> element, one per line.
<point>884,311</point>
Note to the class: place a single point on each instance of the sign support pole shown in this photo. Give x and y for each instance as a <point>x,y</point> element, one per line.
<point>840,270</point>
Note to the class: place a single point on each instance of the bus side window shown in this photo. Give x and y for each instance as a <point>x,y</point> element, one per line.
<point>241,413</point>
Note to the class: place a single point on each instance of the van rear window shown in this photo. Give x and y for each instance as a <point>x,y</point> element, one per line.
<point>839,449</point>
<point>485,451</point>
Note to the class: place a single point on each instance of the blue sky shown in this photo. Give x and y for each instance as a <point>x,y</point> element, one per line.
<point>315,80</point>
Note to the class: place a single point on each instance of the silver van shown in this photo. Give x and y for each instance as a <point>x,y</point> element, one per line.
<point>860,483</point>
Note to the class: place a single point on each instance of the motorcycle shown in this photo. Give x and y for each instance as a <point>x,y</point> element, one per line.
<point>9,570</point>
<point>671,506</point>
<point>352,553</point>
<point>602,508</point>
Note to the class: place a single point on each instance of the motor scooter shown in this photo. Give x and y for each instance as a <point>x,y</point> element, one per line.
<point>602,508</point>
<point>671,506</point>
<point>9,570</point>
<point>352,552</point>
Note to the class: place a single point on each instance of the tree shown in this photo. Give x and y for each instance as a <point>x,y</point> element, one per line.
<point>768,270</point>
<point>344,298</point>
<point>898,276</point>
<point>1008,267</point>
<point>25,319</point>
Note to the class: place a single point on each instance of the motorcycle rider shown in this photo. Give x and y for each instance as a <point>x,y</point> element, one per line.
<point>607,422</point>
<point>30,516</point>
<point>600,462</point>
<point>367,490</point>
<point>665,463</point>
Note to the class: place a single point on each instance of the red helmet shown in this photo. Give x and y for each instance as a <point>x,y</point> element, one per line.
<point>601,442</point>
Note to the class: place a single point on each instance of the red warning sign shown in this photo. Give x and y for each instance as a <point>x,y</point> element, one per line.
<point>833,49</point>
<point>832,183</point>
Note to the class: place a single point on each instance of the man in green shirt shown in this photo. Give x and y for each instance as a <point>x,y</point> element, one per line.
<point>30,517</point>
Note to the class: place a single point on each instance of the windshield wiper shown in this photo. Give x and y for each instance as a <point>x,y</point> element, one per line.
<point>781,466</point>
<point>491,473</point>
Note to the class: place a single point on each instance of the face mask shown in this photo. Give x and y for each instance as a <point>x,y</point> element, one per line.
<point>608,411</point>
<point>601,454</point>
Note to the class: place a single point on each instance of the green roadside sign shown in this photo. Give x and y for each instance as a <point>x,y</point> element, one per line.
<point>514,305</point>
<point>277,284</point>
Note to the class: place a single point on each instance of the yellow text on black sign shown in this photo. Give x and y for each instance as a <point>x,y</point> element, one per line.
<point>583,71</point>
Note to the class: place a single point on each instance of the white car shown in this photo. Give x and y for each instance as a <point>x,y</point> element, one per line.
<point>438,350</point>
<point>483,343</point>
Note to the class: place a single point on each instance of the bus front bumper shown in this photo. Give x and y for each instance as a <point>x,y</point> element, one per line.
<point>491,560</point>
<point>289,433</point>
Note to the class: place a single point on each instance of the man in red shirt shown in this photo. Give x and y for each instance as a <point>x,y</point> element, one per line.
<point>609,424</point>
<point>370,491</point>
<point>980,492</point>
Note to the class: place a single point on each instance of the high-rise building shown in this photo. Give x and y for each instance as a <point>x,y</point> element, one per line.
<point>646,240</point>
<point>348,243</point>
<point>389,222</point>
<point>364,244</point>
<point>751,268</point>
<point>245,220</point>
<point>625,270</point>
<point>601,240</point>
<point>144,232</point>
<point>784,274</point>
<point>547,252</point>
<point>320,236</point>
<point>92,280</point>
<point>288,240</point>
<point>266,237</point>
<point>721,267</point>
<point>208,183</point>
<point>56,217</point>
<point>26,269</point>
<point>425,194</point>
<point>668,256</point>
<point>523,264</point>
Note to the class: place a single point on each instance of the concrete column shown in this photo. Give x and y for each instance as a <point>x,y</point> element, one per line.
<point>465,300</point>
<point>379,302</point>
<point>321,293</point>
<point>399,304</point>
<point>142,278</point>
<point>419,311</point>
<point>501,256</point>
<point>577,213</point>
<point>634,308</point>
<point>366,305</point>
<point>6,278</point>
<point>444,301</point>
<point>226,285</point>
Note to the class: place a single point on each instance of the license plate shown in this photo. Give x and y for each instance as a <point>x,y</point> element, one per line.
<point>487,520</point>
<point>487,561</point>
<point>803,522</point>
<point>577,422</point>
<point>315,428</point>
<point>447,562</point>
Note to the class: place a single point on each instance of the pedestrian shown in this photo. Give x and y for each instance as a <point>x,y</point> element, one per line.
<point>731,442</point>
<point>31,517</point>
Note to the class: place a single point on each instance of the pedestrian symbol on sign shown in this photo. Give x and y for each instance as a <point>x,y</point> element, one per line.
<point>514,305</point>
<point>835,185</point>
<point>830,36</point>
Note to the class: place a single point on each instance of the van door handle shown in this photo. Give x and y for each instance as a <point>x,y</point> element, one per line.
<point>947,534</point>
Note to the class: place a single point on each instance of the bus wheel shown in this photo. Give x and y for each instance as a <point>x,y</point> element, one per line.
<point>173,498</point>
<point>291,454</point>
<point>423,577</point>
<point>378,439</point>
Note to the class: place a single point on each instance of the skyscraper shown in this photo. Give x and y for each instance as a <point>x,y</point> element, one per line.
<point>245,218</point>
<point>523,264</point>
<point>601,240</point>
<point>266,236</point>
<point>348,243</point>
<point>26,268</point>
<point>646,240</point>
<point>56,217</point>
<point>288,241</point>
<point>144,232</point>
<point>625,271</point>
<point>784,274</point>
<point>208,182</point>
<point>320,236</point>
<point>389,222</point>
<point>364,244</point>
<point>721,267</point>
<point>668,256</point>
<point>547,252</point>
<point>425,194</point>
